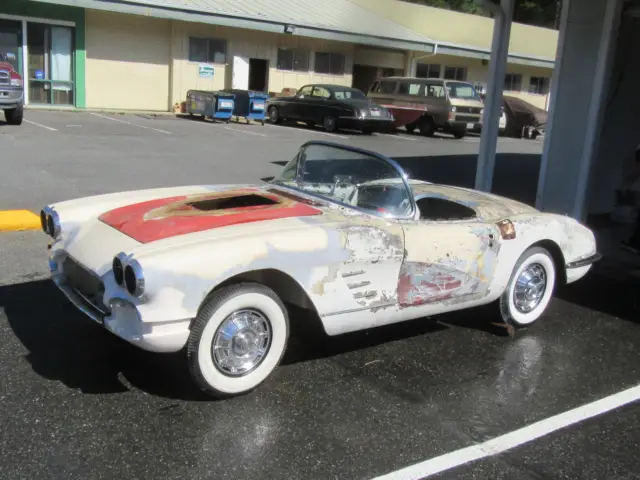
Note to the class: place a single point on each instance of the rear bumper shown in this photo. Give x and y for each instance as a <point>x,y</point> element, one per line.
<point>356,123</point>
<point>583,262</point>
<point>579,268</point>
<point>11,97</point>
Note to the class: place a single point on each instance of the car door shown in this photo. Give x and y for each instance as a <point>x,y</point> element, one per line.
<point>299,105</point>
<point>318,105</point>
<point>291,108</point>
<point>447,262</point>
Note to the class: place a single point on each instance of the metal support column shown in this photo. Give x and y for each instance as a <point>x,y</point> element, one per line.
<point>503,16</point>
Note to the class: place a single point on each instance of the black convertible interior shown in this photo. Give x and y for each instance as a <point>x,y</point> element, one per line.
<point>437,208</point>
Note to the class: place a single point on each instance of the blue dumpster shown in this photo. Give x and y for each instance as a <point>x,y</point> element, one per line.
<point>218,104</point>
<point>249,104</point>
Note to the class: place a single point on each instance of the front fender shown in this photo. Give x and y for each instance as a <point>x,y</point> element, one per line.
<point>178,279</point>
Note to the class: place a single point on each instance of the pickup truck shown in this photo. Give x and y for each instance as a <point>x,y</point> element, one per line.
<point>11,93</point>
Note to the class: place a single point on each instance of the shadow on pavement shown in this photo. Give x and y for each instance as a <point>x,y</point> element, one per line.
<point>65,346</point>
<point>606,295</point>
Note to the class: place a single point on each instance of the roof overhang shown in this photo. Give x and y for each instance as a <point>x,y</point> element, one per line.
<point>187,15</point>
<point>483,54</point>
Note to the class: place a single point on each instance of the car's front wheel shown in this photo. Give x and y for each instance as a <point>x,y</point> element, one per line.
<point>14,116</point>
<point>530,288</point>
<point>238,339</point>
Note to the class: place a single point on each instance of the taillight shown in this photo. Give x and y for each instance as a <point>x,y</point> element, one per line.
<point>16,80</point>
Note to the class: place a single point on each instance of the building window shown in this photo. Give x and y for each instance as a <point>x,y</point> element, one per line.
<point>294,59</point>
<point>539,85</point>
<point>425,70</point>
<point>49,64</point>
<point>513,82</point>
<point>330,63</point>
<point>207,50</point>
<point>455,73</point>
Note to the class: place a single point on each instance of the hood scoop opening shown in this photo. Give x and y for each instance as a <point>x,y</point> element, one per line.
<point>240,201</point>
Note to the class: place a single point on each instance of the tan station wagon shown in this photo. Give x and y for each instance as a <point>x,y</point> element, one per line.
<point>430,104</point>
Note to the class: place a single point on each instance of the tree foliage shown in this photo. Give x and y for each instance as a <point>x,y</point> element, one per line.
<point>541,13</point>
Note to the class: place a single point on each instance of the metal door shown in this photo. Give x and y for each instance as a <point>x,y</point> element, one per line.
<point>240,73</point>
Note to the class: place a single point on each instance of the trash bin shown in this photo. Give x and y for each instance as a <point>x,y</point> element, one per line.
<point>216,104</point>
<point>249,104</point>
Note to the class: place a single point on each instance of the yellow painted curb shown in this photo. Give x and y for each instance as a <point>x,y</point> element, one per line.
<point>17,220</point>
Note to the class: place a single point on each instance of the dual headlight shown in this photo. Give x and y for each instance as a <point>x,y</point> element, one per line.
<point>128,274</point>
<point>50,222</point>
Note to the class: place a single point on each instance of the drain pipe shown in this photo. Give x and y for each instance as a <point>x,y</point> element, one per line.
<point>413,62</point>
<point>502,19</point>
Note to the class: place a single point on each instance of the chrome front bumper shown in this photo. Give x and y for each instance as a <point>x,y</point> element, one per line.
<point>122,318</point>
<point>10,97</point>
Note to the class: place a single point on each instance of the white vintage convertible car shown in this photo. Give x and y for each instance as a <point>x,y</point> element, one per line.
<point>341,232</point>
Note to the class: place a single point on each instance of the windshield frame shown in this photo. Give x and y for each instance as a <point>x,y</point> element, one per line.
<point>297,180</point>
<point>476,98</point>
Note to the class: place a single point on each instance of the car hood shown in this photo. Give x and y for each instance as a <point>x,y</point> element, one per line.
<point>157,223</point>
<point>163,218</point>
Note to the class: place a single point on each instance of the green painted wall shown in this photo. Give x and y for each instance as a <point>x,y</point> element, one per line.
<point>25,8</point>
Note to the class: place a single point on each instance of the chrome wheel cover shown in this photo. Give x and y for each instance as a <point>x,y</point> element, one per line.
<point>241,342</point>
<point>530,287</point>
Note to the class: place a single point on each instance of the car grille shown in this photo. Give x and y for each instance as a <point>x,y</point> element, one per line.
<point>474,110</point>
<point>84,283</point>
<point>466,118</point>
<point>5,78</point>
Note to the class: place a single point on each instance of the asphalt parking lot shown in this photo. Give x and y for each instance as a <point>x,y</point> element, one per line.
<point>79,403</point>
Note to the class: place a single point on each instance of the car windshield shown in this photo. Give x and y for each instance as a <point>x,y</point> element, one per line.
<point>462,90</point>
<point>347,93</point>
<point>348,177</point>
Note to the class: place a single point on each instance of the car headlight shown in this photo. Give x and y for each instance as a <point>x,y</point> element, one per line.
<point>134,279</point>
<point>118,267</point>
<point>50,222</point>
<point>128,274</point>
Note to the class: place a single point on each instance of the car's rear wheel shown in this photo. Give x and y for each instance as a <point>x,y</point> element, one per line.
<point>14,116</point>
<point>238,339</point>
<point>427,127</point>
<point>530,288</point>
<point>329,124</point>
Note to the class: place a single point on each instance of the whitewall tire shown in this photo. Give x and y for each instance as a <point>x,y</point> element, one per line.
<point>530,288</point>
<point>238,339</point>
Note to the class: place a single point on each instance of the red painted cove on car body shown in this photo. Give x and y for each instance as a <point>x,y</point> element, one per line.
<point>163,218</point>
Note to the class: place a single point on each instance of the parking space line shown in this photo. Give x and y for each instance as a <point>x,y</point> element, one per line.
<point>245,131</point>
<point>514,439</point>
<point>402,137</point>
<point>301,130</point>
<point>128,123</point>
<point>39,125</point>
